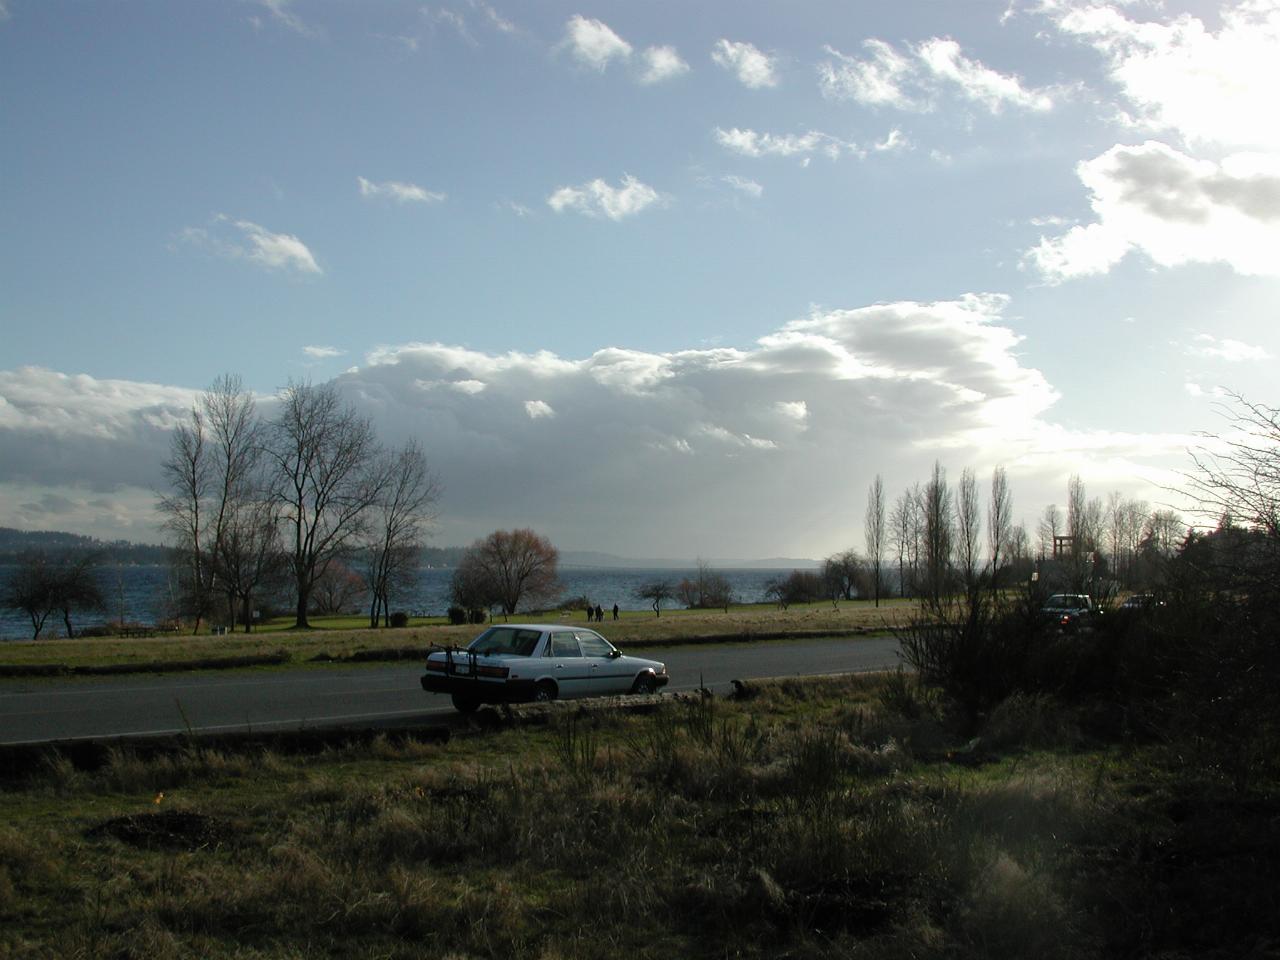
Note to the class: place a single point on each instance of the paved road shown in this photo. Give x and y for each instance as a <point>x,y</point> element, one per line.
<point>145,705</point>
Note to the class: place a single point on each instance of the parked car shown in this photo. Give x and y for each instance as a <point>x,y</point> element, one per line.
<point>1139,602</point>
<point>1069,611</point>
<point>521,662</point>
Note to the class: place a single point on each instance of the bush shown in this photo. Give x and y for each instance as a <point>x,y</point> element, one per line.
<point>477,616</point>
<point>399,619</point>
<point>457,616</point>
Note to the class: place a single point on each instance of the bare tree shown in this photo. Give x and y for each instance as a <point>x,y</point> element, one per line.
<point>1237,474</point>
<point>517,565</point>
<point>844,574</point>
<point>968,528</point>
<point>250,559</point>
<point>40,586</point>
<point>906,522</point>
<point>401,516</point>
<point>210,472</point>
<point>873,531</point>
<point>30,589</point>
<point>999,522</point>
<point>937,510</point>
<point>338,590</point>
<point>656,592</point>
<point>76,587</point>
<point>707,589</point>
<point>322,456</point>
<point>1049,529</point>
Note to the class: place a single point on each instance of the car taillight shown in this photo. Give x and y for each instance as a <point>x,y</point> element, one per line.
<point>487,671</point>
<point>1066,618</point>
<point>436,665</point>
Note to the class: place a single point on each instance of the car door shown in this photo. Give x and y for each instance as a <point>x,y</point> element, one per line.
<point>609,673</point>
<point>568,667</point>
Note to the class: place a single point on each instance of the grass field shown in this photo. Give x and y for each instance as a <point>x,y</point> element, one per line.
<point>830,818</point>
<point>345,637</point>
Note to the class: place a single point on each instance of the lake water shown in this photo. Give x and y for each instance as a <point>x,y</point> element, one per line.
<point>142,595</point>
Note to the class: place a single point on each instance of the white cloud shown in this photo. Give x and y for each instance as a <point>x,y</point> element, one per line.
<point>1232,351</point>
<point>514,206</point>
<point>1212,87</point>
<point>893,142</point>
<point>246,240</point>
<point>493,18</point>
<point>538,409</point>
<point>662,63</point>
<point>280,12</point>
<point>399,192</point>
<point>599,199</point>
<point>914,82</point>
<point>993,90</point>
<point>879,80</point>
<point>749,143</point>
<point>744,185</point>
<point>752,67</point>
<point>796,410</point>
<point>322,353</point>
<point>1173,208</point>
<point>593,44</point>
<point>656,453</point>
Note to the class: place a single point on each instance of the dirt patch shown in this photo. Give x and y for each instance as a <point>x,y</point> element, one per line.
<point>165,830</point>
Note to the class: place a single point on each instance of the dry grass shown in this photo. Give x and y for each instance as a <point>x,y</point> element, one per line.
<point>812,819</point>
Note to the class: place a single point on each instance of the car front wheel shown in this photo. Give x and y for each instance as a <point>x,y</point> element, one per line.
<point>644,685</point>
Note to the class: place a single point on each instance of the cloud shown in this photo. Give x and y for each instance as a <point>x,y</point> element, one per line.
<point>879,80</point>
<point>1179,75</point>
<point>322,353</point>
<point>752,67</point>
<point>653,453</point>
<point>598,199</point>
<point>743,185</point>
<point>662,63</point>
<point>399,192</point>
<point>593,44</point>
<point>749,143</point>
<point>993,90</point>
<point>892,142</point>
<point>246,240</point>
<point>493,18</point>
<point>514,206</point>
<point>914,81</point>
<point>1232,351</point>
<point>538,409</point>
<point>1173,208</point>
<point>280,12</point>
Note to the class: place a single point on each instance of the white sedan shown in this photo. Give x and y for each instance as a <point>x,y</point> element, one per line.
<point>521,662</point>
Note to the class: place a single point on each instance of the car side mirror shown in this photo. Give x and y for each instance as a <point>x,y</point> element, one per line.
<point>614,654</point>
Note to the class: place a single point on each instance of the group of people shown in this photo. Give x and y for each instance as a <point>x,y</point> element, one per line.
<point>596,613</point>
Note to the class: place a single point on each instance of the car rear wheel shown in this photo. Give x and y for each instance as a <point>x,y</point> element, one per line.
<point>465,704</point>
<point>544,693</point>
<point>644,685</point>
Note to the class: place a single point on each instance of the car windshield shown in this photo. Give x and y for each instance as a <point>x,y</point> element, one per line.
<point>509,641</point>
<point>1066,600</point>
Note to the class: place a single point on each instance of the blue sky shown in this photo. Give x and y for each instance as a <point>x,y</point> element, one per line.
<point>629,271</point>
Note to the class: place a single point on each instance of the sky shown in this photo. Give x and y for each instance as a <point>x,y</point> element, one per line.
<point>659,279</point>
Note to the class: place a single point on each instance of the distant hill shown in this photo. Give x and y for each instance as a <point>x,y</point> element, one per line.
<point>14,543</point>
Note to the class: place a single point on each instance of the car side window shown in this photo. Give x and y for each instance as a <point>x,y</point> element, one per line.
<point>594,645</point>
<point>564,645</point>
